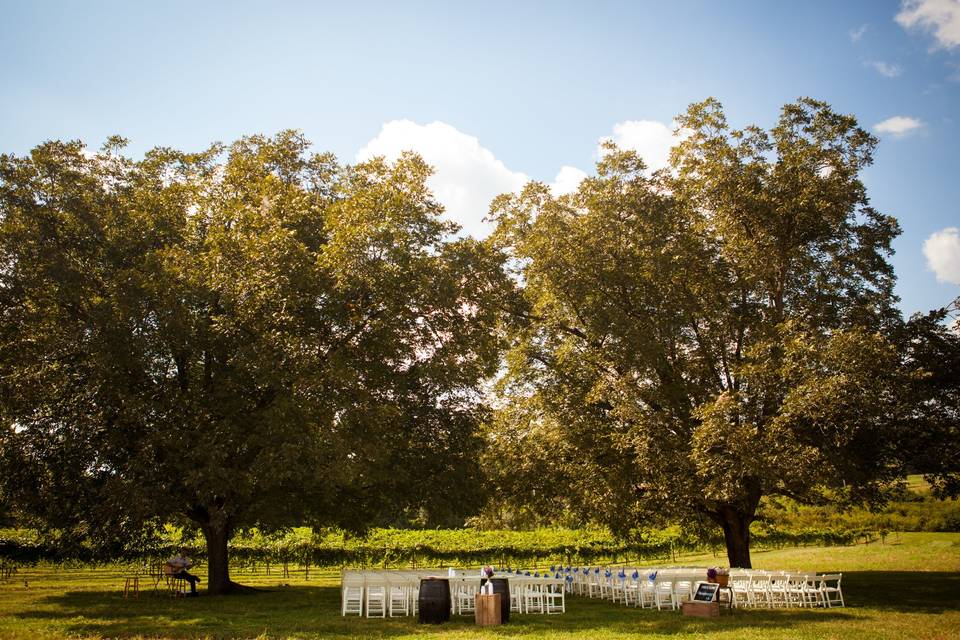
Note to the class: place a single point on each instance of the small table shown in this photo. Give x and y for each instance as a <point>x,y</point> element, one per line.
<point>487,610</point>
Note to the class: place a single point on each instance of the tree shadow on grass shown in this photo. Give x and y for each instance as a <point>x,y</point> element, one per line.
<point>903,591</point>
<point>315,612</point>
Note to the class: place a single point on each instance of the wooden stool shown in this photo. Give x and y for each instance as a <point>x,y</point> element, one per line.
<point>487,611</point>
<point>131,586</point>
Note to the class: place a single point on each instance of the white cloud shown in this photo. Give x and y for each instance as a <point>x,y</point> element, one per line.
<point>942,250</point>
<point>467,175</point>
<point>857,34</point>
<point>942,17</point>
<point>898,126</point>
<point>888,70</point>
<point>567,181</point>
<point>652,140</point>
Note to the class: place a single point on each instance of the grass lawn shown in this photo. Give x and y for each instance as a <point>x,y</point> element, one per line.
<point>903,589</point>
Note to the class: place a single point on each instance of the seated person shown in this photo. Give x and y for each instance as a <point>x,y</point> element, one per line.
<point>178,566</point>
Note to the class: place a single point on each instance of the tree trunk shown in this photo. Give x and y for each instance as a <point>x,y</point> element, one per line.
<point>217,529</point>
<point>218,567</point>
<point>736,535</point>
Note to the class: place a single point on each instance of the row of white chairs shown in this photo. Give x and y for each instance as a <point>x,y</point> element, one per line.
<point>381,594</point>
<point>661,588</point>
<point>543,595</point>
<point>646,589</point>
<point>773,589</point>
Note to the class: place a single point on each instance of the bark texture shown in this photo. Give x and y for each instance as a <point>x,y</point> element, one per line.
<point>736,535</point>
<point>218,565</point>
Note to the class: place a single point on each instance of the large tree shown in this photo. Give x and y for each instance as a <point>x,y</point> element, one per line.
<point>930,346</point>
<point>248,336</point>
<point>692,340</point>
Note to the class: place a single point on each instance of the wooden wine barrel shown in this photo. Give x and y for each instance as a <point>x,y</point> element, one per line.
<point>434,600</point>
<point>501,586</point>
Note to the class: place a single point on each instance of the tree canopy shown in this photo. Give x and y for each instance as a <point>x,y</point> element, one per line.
<point>252,335</point>
<point>259,336</point>
<point>930,346</point>
<point>691,340</point>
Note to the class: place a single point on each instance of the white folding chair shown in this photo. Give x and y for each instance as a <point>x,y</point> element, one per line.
<point>608,586</point>
<point>351,593</point>
<point>516,596</point>
<point>631,590</point>
<point>829,589</point>
<point>741,584</point>
<point>683,588</point>
<point>647,590</point>
<point>411,583</point>
<point>553,597</point>
<point>376,601</point>
<point>779,590</point>
<point>594,584</point>
<point>761,590</point>
<point>663,592</point>
<point>804,589</point>
<point>398,596</point>
<point>466,597</point>
<point>533,601</point>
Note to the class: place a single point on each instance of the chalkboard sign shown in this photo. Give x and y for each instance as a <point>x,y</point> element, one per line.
<point>706,592</point>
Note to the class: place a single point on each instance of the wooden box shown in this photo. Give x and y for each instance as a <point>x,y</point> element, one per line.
<point>488,609</point>
<point>701,609</point>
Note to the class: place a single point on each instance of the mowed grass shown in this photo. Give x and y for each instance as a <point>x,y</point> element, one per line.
<point>903,589</point>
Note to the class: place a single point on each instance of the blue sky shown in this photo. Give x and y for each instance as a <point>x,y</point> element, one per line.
<point>495,93</point>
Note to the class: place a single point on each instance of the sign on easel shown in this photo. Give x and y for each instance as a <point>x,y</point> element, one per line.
<point>706,592</point>
<point>705,603</point>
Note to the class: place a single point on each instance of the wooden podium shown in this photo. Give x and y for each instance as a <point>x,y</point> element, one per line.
<point>487,611</point>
